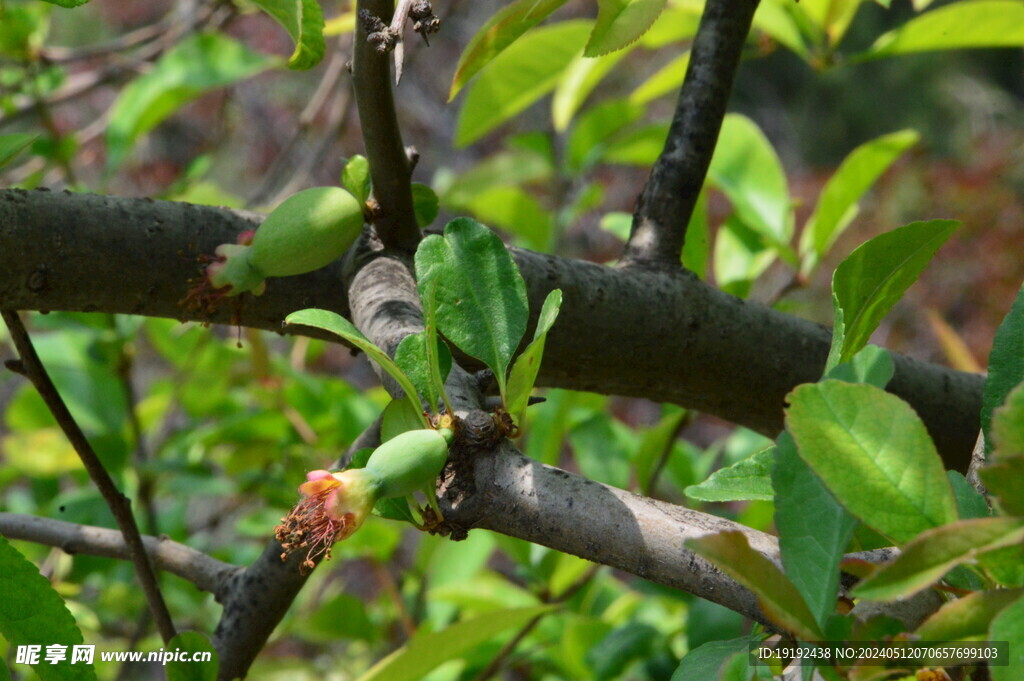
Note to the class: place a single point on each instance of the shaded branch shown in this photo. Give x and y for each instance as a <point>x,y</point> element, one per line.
<point>32,368</point>
<point>193,566</point>
<point>390,169</point>
<point>666,203</point>
<point>687,343</point>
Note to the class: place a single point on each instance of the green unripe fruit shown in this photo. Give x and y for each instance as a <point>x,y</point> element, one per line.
<point>309,230</point>
<point>409,461</point>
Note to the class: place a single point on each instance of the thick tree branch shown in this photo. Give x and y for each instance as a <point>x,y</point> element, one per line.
<point>666,203</point>
<point>389,165</point>
<point>205,572</point>
<point>686,342</point>
<point>30,366</point>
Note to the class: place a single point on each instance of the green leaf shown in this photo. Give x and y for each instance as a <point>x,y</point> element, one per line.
<point>655,444</point>
<point>959,25</point>
<point>747,170</point>
<point>426,650</point>
<point>518,77</point>
<point>439,357</point>
<point>872,365</point>
<point>412,358</point>
<point>621,22</point>
<point>356,178</point>
<point>199,63</point>
<point>32,613</point>
<point>779,19</point>
<point>777,596</point>
<point>424,204</point>
<point>399,417</point>
<point>580,78</point>
<point>1005,366</point>
<point>67,3</point>
<point>669,78</point>
<point>740,257</point>
<point>707,660</point>
<point>837,205</point>
<point>1005,481</point>
<point>481,297</point>
<point>969,502</point>
<point>514,210</point>
<point>640,147</point>
<point>1008,425</point>
<point>875,276</point>
<point>524,371</point>
<point>967,617</point>
<point>500,31</point>
<point>748,479</point>
<point>12,144</point>
<point>874,454</point>
<point>338,325</point>
<point>592,129</point>
<point>193,642</point>
<point>935,552</point>
<point>697,246</point>
<point>5,675</point>
<point>813,529</point>
<point>1009,626</point>
<point>304,21</point>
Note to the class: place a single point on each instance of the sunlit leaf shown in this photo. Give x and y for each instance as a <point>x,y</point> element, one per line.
<point>527,365</point>
<point>1005,365</point>
<point>356,177</point>
<point>621,22</point>
<point>745,480</point>
<point>523,73</point>
<point>707,660</point>
<point>667,79</point>
<point>935,552</point>
<point>966,617</point>
<point>580,78</point>
<point>500,31</point>
<point>958,25</point>
<point>874,454</point>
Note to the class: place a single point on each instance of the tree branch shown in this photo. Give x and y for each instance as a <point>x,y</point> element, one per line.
<point>666,203</point>
<point>687,343</point>
<point>32,368</point>
<point>193,566</point>
<point>389,166</point>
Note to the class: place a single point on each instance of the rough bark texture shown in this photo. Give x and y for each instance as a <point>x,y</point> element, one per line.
<point>664,207</point>
<point>665,336</point>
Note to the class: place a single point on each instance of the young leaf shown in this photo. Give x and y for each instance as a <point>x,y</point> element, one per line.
<point>872,365</point>
<point>1005,365</point>
<point>707,660</point>
<point>413,358</point>
<point>621,22</point>
<point>439,357</point>
<point>338,325</point>
<point>579,79</point>
<point>813,529</point>
<point>935,552</point>
<point>746,169</point>
<point>518,77</point>
<point>12,144</point>
<point>663,81</point>
<point>500,31</point>
<point>32,613</point>
<point>199,63</point>
<point>524,371</point>
<point>777,596</point>
<point>967,617</point>
<point>875,276</point>
<point>428,649</point>
<point>424,204</point>
<point>193,642</point>
<point>984,23</point>
<point>481,297</point>
<point>747,479</point>
<point>1009,626</point>
<point>837,205</point>
<point>304,21</point>
<point>356,178</point>
<point>874,454</point>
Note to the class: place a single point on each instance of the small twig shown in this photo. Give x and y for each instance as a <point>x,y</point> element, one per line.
<point>119,504</point>
<point>205,572</point>
<point>652,482</point>
<point>389,167</point>
<point>666,203</point>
